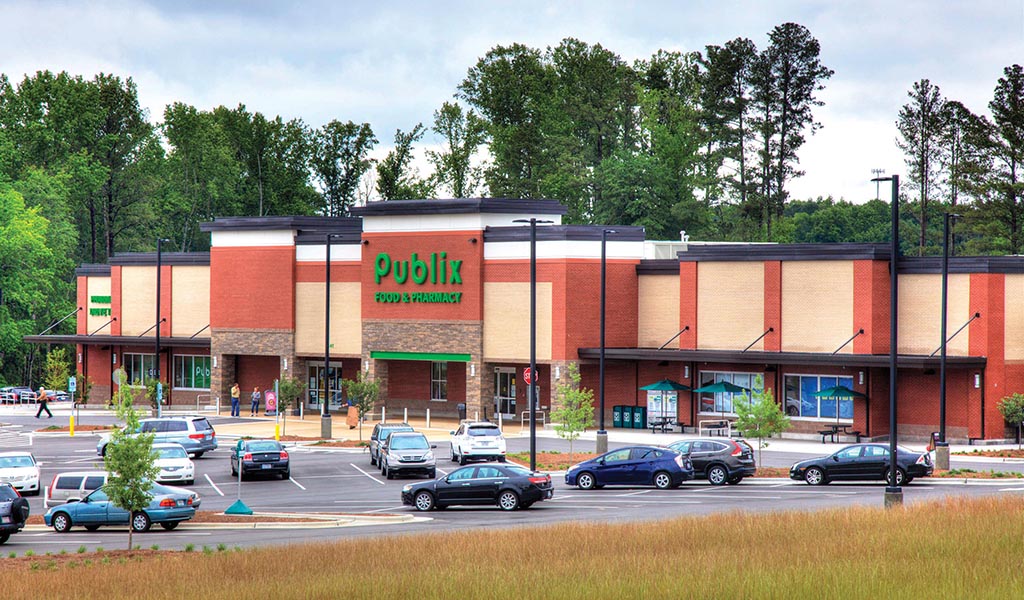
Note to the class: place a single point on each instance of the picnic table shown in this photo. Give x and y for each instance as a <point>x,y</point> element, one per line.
<point>835,429</point>
<point>665,424</point>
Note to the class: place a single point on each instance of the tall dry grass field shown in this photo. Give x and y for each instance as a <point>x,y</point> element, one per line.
<point>957,548</point>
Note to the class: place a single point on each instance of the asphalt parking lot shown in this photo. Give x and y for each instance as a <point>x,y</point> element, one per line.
<point>342,481</point>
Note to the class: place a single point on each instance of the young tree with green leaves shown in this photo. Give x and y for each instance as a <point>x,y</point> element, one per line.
<point>290,391</point>
<point>761,418</point>
<point>364,393</point>
<point>463,134</point>
<point>395,180</point>
<point>57,369</point>
<point>575,410</point>
<point>339,160</point>
<point>129,460</point>
<point>1012,409</point>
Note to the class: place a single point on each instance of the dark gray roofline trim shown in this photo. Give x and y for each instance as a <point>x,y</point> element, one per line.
<point>658,266</point>
<point>910,361</point>
<point>576,233</point>
<point>93,270</point>
<point>962,264</point>
<point>461,206</point>
<point>339,224</point>
<point>309,237</point>
<point>784,252</point>
<point>119,340</point>
<point>134,259</point>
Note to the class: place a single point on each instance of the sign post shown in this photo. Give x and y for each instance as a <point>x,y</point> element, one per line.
<point>239,507</point>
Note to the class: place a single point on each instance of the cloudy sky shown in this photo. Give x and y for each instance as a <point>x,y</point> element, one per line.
<point>393,63</point>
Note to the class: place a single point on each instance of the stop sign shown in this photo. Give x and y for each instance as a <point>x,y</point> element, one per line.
<point>528,376</point>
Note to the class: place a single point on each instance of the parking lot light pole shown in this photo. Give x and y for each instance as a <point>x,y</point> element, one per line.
<point>533,337</point>
<point>325,413</point>
<point>602,434</point>
<point>941,445</point>
<point>159,257</point>
<point>893,492</point>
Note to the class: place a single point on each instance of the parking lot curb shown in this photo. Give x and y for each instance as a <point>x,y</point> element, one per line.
<point>289,521</point>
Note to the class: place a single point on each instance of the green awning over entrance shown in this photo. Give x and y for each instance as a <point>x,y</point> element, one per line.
<point>431,356</point>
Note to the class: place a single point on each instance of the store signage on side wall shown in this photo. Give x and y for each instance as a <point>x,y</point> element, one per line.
<point>99,312</point>
<point>438,269</point>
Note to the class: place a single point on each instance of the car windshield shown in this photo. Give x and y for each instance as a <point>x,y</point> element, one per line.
<point>484,431</point>
<point>9,462</point>
<point>408,442</point>
<point>178,452</point>
<point>263,447</point>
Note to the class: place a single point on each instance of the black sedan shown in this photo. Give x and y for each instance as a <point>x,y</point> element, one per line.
<point>506,485</point>
<point>863,462</point>
<point>260,456</point>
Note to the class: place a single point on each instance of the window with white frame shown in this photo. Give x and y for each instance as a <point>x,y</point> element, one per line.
<point>139,367</point>
<point>723,402</point>
<point>439,381</point>
<point>192,372</point>
<point>801,401</point>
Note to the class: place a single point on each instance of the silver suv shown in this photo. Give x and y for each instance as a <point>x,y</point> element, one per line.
<point>380,434</point>
<point>407,452</point>
<point>194,433</point>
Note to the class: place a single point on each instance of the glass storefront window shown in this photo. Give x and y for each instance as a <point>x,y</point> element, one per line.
<point>139,367</point>
<point>439,381</point>
<point>192,372</point>
<point>723,403</point>
<point>801,401</point>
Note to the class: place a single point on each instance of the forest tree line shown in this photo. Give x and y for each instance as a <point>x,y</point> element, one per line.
<point>706,142</point>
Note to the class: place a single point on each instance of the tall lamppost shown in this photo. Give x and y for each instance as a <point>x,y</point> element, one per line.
<point>159,262</point>
<point>893,491</point>
<point>325,413</point>
<point>941,446</point>
<point>533,337</point>
<point>602,434</point>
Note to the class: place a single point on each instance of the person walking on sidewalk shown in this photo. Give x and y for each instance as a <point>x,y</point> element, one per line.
<point>42,399</point>
<point>235,400</point>
<point>254,410</point>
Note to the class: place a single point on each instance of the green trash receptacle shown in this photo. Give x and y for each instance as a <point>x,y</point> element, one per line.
<point>639,417</point>
<point>627,417</point>
<point>617,416</point>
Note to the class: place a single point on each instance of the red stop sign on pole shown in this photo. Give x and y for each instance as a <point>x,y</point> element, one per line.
<point>528,376</point>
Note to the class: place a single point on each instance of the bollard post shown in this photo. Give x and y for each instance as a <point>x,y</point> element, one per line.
<point>277,432</point>
<point>383,415</point>
<point>476,416</point>
<point>428,418</point>
<point>72,427</point>
<point>405,415</point>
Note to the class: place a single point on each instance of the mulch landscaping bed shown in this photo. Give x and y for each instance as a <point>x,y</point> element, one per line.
<point>318,441</point>
<point>993,453</point>
<point>216,517</point>
<point>55,428</point>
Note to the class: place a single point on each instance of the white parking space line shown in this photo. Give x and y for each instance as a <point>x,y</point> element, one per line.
<point>217,489</point>
<point>297,483</point>
<point>81,460</point>
<point>390,508</point>
<point>442,471</point>
<point>634,493</point>
<point>367,474</point>
<point>364,502</point>
<point>1016,489</point>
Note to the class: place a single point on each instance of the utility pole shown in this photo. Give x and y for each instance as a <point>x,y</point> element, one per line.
<point>877,173</point>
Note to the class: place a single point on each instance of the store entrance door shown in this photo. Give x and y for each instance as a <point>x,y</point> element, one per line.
<point>505,391</point>
<point>316,387</point>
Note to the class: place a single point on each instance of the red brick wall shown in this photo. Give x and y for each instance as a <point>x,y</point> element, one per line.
<point>82,297</point>
<point>252,288</point>
<point>871,306</point>
<point>115,299</point>
<point>987,339</point>
<point>773,305</point>
<point>165,299</point>
<point>457,245</point>
<point>341,272</point>
<point>259,371</point>
<point>577,306</point>
<point>688,305</point>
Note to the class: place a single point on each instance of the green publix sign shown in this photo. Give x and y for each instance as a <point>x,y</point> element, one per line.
<point>99,312</point>
<point>438,269</point>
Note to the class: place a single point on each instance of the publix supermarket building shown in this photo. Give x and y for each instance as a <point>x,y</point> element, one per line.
<point>431,298</point>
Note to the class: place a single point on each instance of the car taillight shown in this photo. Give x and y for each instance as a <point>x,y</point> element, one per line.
<point>924,459</point>
<point>167,502</point>
<point>284,455</point>
<point>680,461</point>
<point>195,436</point>
<point>213,434</point>
<point>190,500</point>
<point>248,456</point>
<point>540,480</point>
<point>53,485</point>
<point>736,449</point>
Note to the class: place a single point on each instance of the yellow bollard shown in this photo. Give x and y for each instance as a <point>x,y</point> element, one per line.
<point>277,432</point>
<point>72,425</point>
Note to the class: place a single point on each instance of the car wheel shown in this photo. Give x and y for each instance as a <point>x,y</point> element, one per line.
<point>814,476</point>
<point>508,500</point>
<point>141,522</point>
<point>452,450</point>
<point>585,481</point>
<point>501,459</point>
<point>61,522</point>
<point>424,501</point>
<point>169,525</point>
<point>234,471</point>
<point>4,537</point>
<point>717,475</point>
<point>462,459</point>
<point>373,461</point>
<point>189,482</point>
<point>662,480</point>
<point>91,527</point>
<point>526,505</point>
<point>388,474</point>
<point>287,474</point>
<point>901,476</point>
<point>432,474</point>
<point>735,480</point>
<point>198,455</point>
<point>907,480</point>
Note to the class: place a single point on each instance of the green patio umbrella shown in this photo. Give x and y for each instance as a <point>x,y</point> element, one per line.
<point>666,385</point>
<point>838,391</point>
<point>721,387</point>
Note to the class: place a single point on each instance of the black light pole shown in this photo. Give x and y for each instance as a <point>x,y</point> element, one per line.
<point>893,492</point>
<point>325,413</point>
<point>159,257</point>
<point>602,434</point>
<point>533,337</point>
<point>941,446</point>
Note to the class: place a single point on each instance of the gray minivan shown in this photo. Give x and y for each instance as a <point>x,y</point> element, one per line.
<point>194,433</point>
<point>74,485</point>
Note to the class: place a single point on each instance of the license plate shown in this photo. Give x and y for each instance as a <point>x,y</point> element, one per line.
<point>6,519</point>
<point>181,503</point>
<point>266,466</point>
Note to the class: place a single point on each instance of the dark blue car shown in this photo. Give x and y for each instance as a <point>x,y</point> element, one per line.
<point>637,465</point>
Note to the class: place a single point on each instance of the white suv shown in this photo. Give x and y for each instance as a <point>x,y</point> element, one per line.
<point>477,440</point>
